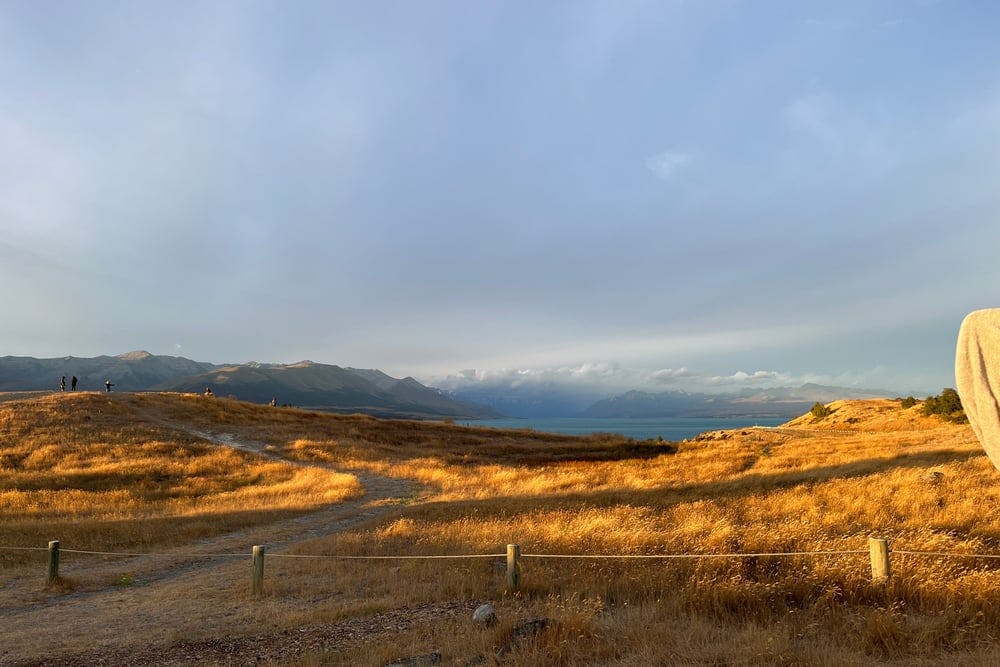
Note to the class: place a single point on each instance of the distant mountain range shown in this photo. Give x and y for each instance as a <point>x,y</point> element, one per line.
<point>549,400</point>
<point>774,402</point>
<point>304,384</point>
<point>530,399</point>
<point>333,388</point>
<point>325,387</point>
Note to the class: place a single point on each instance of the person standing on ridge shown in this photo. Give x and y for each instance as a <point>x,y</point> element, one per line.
<point>108,384</point>
<point>72,383</point>
<point>62,383</point>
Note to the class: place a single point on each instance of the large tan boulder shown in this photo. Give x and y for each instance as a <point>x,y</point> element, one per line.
<point>977,374</point>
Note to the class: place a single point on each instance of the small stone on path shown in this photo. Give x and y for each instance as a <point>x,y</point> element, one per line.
<point>485,615</point>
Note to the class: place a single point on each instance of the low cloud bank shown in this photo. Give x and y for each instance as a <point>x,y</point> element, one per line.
<point>608,378</point>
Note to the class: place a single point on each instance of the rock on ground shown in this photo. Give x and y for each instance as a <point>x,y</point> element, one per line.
<point>485,615</point>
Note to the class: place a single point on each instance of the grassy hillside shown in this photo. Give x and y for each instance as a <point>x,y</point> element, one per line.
<point>874,470</point>
<point>112,471</point>
<point>132,371</point>
<point>305,384</point>
<point>886,415</point>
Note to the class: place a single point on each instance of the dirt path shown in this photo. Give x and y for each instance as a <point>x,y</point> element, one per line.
<point>175,594</point>
<point>380,494</point>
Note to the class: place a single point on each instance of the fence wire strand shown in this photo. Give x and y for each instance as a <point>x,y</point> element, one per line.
<point>335,557</point>
<point>727,555</point>
<point>944,554</point>
<point>128,554</point>
<point>771,554</point>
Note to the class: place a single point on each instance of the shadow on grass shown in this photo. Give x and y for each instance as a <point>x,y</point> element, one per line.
<point>729,489</point>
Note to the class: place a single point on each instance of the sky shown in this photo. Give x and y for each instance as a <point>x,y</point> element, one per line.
<point>639,194</point>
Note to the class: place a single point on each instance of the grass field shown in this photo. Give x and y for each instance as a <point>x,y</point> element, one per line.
<point>148,471</point>
<point>102,474</point>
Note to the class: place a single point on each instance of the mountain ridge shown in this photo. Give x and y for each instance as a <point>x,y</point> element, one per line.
<point>303,383</point>
<point>544,400</point>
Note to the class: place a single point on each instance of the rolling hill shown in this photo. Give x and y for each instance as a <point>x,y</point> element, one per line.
<point>132,371</point>
<point>320,386</point>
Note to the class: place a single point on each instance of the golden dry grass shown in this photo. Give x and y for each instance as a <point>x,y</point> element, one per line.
<point>99,473</point>
<point>758,490</point>
<point>873,415</point>
<point>803,488</point>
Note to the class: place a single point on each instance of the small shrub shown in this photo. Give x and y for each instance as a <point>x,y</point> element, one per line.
<point>907,402</point>
<point>820,411</point>
<point>946,405</point>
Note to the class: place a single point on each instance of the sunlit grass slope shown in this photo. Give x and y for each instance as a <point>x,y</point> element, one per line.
<point>921,483</point>
<point>112,471</point>
<point>871,468</point>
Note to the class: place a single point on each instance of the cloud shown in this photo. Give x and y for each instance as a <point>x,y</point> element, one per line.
<point>665,165</point>
<point>586,373</point>
<point>669,375</point>
<point>744,378</point>
<point>642,354</point>
<point>610,378</point>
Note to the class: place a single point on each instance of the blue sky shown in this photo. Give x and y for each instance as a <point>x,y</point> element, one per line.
<point>661,194</point>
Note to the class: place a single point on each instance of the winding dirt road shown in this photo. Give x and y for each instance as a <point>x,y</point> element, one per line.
<point>175,595</point>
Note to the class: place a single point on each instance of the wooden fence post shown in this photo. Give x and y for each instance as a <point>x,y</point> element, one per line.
<point>513,567</point>
<point>53,562</point>
<point>878,548</point>
<point>258,570</point>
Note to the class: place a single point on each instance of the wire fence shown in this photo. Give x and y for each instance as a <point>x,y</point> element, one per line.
<point>761,554</point>
<point>878,550</point>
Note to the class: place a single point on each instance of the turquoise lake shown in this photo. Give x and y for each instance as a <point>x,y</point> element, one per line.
<point>672,428</point>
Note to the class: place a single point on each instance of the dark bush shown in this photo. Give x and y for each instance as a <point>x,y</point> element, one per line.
<point>820,411</point>
<point>908,402</point>
<point>946,405</point>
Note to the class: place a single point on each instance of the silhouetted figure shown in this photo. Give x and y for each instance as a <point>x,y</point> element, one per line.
<point>72,383</point>
<point>208,392</point>
<point>274,401</point>
<point>62,383</point>
<point>108,384</point>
